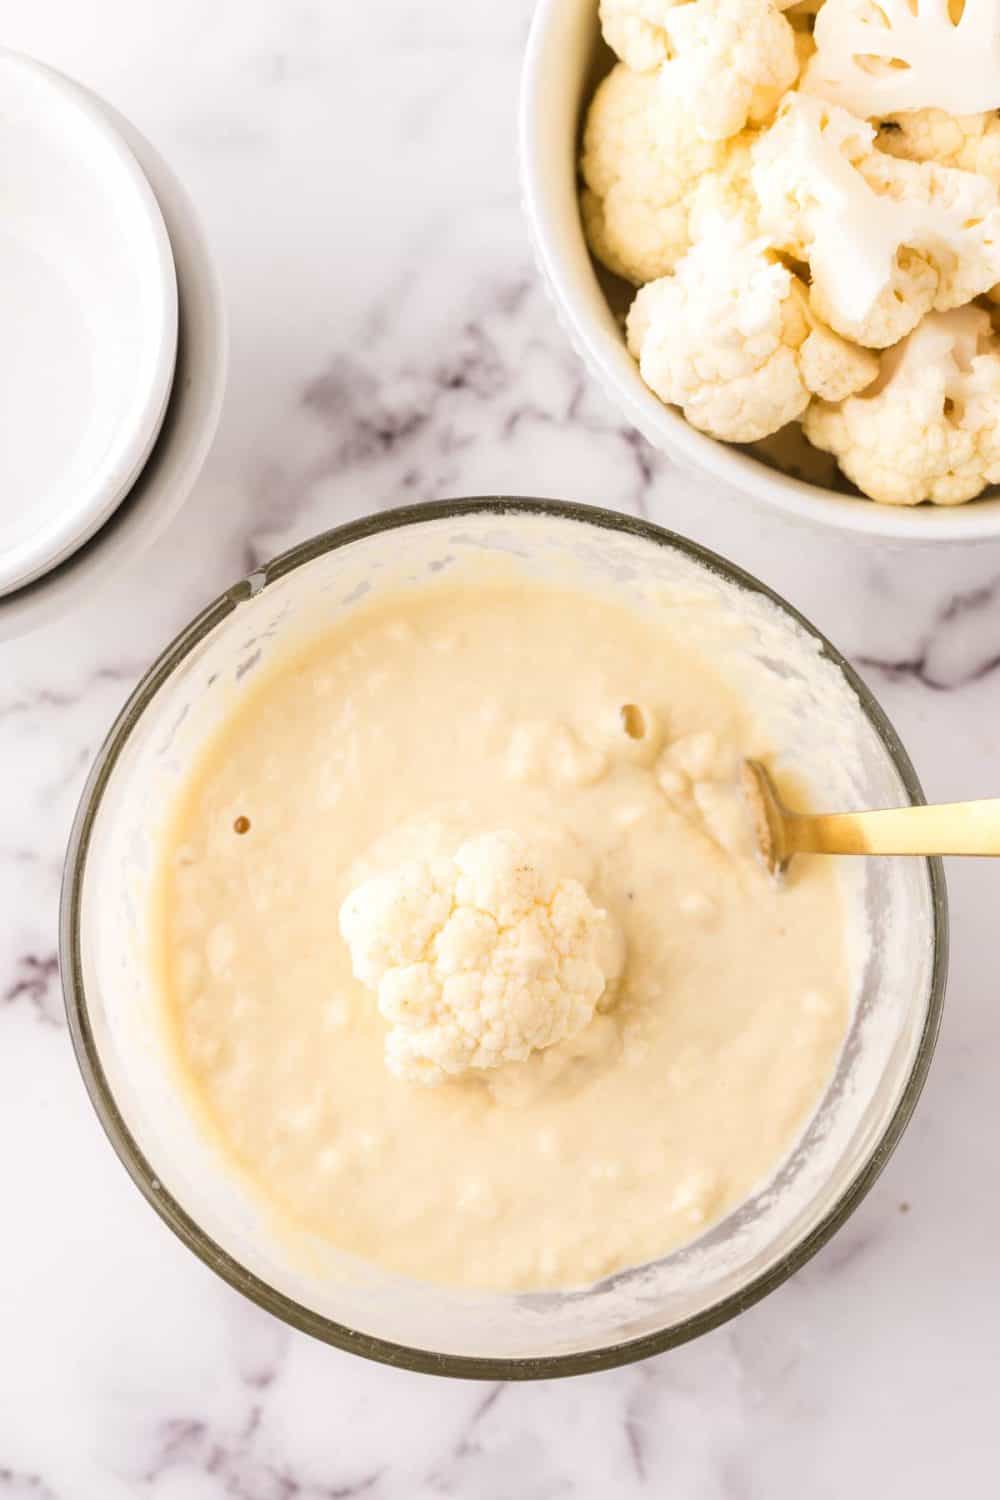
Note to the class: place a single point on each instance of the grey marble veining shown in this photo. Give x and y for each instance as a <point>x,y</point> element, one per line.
<point>355,167</point>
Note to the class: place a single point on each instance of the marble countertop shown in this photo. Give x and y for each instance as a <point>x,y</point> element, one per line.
<point>355,168</point>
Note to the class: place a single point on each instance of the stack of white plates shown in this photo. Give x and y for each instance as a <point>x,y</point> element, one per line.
<point>112,341</point>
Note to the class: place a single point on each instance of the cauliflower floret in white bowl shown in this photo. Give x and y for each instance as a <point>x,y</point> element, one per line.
<point>730,339</point>
<point>641,31</point>
<point>929,429</point>
<point>656,141</point>
<point>969,142</point>
<point>945,255</point>
<point>887,240</point>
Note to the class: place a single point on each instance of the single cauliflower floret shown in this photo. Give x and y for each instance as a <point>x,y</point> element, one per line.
<point>832,367</point>
<point>656,142</point>
<point>969,142</point>
<point>889,316</point>
<point>636,30</point>
<point>639,31</point>
<point>930,427</point>
<point>877,57</point>
<point>641,161</point>
<point>481,959</point>
<point>732,61</point>
<point>886,240</point>
<point>730,340</point>
<point>645,173</point>
<point>727,191</point>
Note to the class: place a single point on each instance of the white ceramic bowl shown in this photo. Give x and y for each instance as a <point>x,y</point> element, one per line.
<point>564,60</point>
<point>191,418</point>
<point>88,309</point>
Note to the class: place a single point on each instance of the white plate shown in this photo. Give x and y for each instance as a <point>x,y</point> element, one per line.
<point>192,415</point>
<point>88,318</point>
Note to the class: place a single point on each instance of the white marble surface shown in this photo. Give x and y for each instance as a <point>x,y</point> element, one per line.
<point>355,166</point>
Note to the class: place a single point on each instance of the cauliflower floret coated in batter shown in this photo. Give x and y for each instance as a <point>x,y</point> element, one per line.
<point>969,142</point>
<point>730,339</point>
<point>930,428</point>
<point>481,959</point>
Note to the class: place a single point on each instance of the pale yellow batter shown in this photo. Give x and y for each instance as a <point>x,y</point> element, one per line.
<point>583,728</point>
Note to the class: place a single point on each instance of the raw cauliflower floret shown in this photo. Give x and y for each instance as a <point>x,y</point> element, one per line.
<point>732,61</point>
<point>726,192</point>
<point>969,142</point>
<point>642,166</point>
<point>639,31</point>
<point>640,162</point>
<point>832,367</point>
<point>886,240</point>
<point>879,57</point>
<point>636,30</point>
<point>730,340</point>
<point>813,205</point>
<point>956,222</point>
<point>481,959</point>
<point>930,428</point>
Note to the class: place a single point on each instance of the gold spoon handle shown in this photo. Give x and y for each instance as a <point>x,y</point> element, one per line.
<point>949,828</point>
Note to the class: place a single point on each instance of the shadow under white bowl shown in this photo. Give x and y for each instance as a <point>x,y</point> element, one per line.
<point>88,308</point>
<point>189,424</point>
<point>564,59</point>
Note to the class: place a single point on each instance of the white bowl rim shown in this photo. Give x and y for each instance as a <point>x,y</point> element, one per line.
<point>111,480</point>
<point>663,426</point>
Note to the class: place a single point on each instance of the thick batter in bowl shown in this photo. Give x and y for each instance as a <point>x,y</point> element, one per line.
<point>838,743</point>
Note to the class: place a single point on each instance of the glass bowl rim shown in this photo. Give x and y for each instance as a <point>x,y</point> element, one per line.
<point>175,1216</point>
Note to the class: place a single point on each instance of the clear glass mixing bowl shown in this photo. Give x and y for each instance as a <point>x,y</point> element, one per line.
<point>114,1015</point>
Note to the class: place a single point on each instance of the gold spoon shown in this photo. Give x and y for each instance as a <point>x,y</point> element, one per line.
<point>951,828</point>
